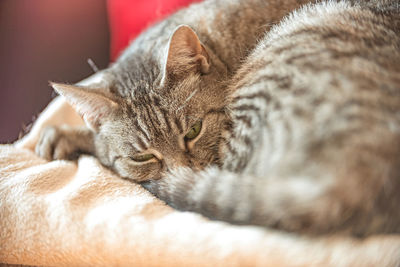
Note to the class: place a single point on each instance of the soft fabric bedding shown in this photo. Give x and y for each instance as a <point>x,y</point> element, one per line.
<point>64,213</point>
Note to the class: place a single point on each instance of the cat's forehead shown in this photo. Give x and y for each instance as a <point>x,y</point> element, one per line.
<point>155,105</point>
<point>148,125</point>
<point>173,97</point>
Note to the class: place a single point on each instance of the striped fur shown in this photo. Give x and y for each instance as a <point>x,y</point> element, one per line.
<point>300,121</point>
<point>156,108</point>
<point>315,146</point>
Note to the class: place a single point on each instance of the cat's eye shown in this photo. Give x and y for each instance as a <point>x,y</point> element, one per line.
<point>194,131</point>
<point>143,158</point>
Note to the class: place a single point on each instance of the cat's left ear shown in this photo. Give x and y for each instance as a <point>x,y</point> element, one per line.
<point>93,106</point>
<point>186,54</point>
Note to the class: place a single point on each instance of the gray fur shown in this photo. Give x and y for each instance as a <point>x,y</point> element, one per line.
<point>302,127</point>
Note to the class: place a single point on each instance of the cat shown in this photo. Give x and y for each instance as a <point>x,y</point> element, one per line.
<point>159,71</point>
<point>315,145</point>
<point>304,137</point>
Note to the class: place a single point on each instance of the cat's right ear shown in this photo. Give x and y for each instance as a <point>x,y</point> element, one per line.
<point>186,54</point>
<point>94,107</point>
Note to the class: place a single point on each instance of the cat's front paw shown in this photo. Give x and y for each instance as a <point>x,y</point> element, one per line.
<point>55,143</point>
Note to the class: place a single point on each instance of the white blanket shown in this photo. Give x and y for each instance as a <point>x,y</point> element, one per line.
<point>63,213</point>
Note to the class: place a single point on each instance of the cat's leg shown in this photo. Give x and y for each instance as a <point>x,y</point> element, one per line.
<point>64,142</point>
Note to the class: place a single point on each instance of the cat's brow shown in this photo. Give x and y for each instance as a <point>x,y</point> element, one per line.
<point>193,118</point>
<point>132,148</point>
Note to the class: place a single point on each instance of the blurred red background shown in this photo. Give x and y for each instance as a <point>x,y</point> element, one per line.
<point>47,40</point>
<point>129,17</point>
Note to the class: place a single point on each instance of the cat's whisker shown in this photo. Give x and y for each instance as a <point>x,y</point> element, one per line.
<point>187,100</point>
<point>92,65</point>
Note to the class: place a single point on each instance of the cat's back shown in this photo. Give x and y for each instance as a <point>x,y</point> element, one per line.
<point>325,69</point>
<point>324,88</point>
<point>315,142</point>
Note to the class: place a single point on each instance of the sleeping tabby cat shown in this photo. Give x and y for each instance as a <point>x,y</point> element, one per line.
<point>300,131</point>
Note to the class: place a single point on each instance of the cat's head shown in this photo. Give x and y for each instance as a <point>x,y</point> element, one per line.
<point>153,115</point>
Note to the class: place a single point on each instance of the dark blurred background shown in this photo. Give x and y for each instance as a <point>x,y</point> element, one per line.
<point>41,41</point>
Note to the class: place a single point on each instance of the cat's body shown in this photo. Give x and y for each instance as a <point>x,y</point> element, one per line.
<point>316,135</point>
<point>306,134</point>
<point>141,78</point>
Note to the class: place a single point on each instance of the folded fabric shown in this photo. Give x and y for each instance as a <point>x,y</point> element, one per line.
<point>64,213</point>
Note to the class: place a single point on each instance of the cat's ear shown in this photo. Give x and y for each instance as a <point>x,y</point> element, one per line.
<point>94,107</point>
<point>186,53</point>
